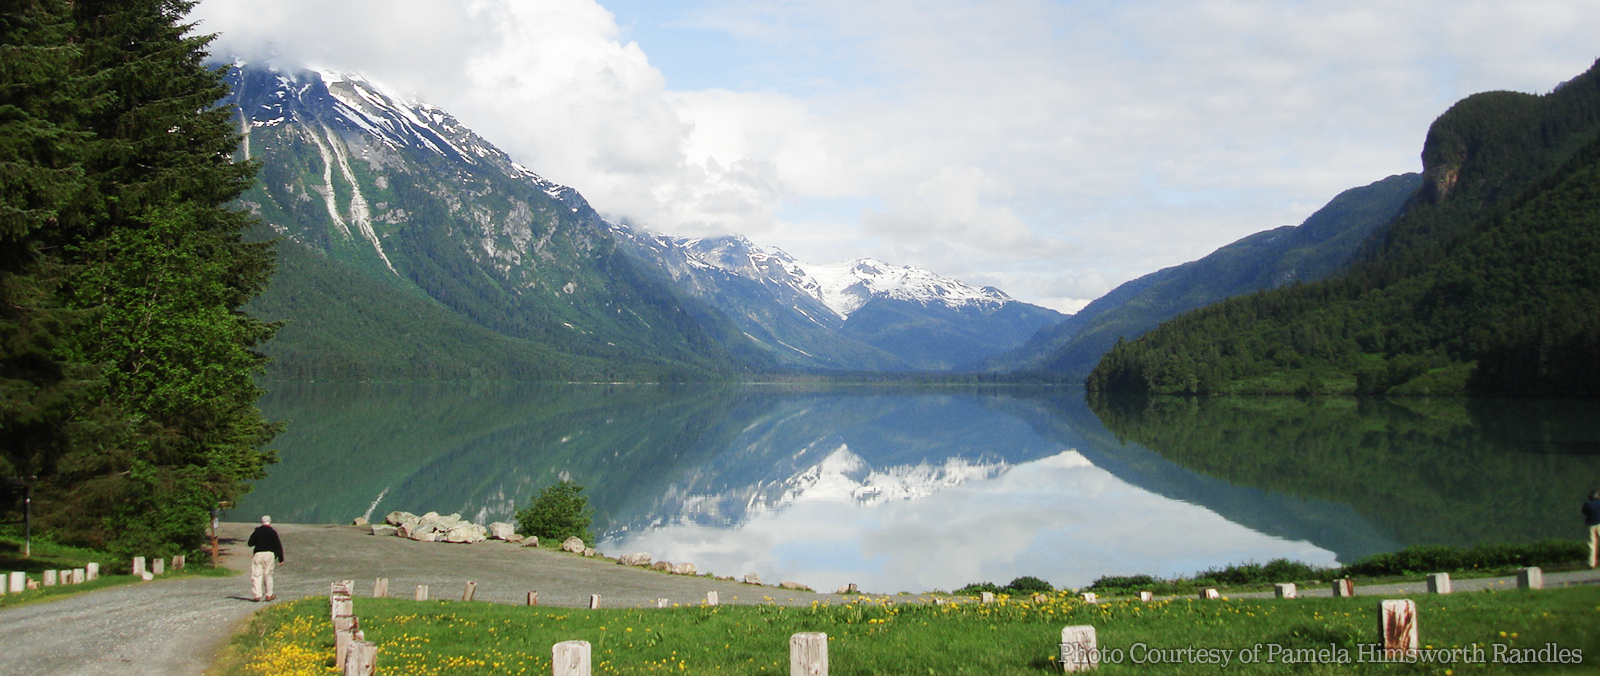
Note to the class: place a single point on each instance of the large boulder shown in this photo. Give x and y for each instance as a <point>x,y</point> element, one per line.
<point>683,569</point>
<point>398,518</point>
<point>663,566</point>
<point>795,586</point>
<point>752,578</point>
<point>466,533</point>
<point>359,521</point>
<point>380,529</point>
<point>530,541</point>
<point>501,530</point>
<point>573,544</point>
<point>635,559</point>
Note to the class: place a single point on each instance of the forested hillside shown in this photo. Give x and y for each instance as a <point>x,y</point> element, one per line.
<point>126,398</point>
<point>1488,283</point>
<point>1319,247</point>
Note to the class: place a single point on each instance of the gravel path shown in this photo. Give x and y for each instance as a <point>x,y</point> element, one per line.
<point>178,626</point>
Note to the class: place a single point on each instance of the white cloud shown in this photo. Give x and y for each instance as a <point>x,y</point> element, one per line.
<point>1044,147</point>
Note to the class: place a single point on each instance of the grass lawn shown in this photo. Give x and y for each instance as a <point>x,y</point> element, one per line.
<point>873,637</point>
<point>51,556</point>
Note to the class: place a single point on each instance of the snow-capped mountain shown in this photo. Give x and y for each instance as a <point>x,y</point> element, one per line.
<point>862,314</point>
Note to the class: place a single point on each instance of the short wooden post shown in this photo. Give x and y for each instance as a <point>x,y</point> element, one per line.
<point>986,597</point>
<point>66,576</point>
<point>344,633</point>
<point>361,659</point>
<point>1210,594</point>
<point>469,591</point>
<point>594,601</point>
<point>92,571</point>
<point>380,588</point>
<point>158,566</point>
<point>138,566</point>
<point>1285,590</point>
<point>1344,587</point>
<point>661,603</point>
<point>570,658</point>
<point>711,598</point>
<point>533,598</point>
<point>18,582</point>
<point>852,589</point>
<point>1397,625</point>
<point>1079,651</point>
<point>1438,583</point>
<point>342,588</point>
<point>1041,598</point>
<point>341,606</point>
<point>1090,597</point>
<point>1147,596</point>
<point>808,654</point>
<point>49,578</point>
<point>1530,578</point>
<point>422,592</point>
<point>179,561</point>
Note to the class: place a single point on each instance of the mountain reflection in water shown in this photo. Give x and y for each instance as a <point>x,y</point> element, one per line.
<point>902,489</point>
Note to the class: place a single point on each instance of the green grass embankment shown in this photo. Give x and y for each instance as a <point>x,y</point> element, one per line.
<point>46,555</point>
<point>867,636</point>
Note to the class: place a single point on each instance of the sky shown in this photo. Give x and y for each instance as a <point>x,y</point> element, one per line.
<point>1051,148</point>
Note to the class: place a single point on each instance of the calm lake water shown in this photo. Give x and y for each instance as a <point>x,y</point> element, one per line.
<point>901,489</point>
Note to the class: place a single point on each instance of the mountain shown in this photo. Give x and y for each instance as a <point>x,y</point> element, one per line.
<point>1317,248</point>
<point>409,247</point>
<point>863,314</point>
<point>1487,283</point>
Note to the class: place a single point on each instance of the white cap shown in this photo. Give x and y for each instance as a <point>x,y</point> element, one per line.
<point>265,519</point>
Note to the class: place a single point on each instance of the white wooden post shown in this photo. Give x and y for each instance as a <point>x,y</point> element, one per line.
<point>1438,583</point>
<point>1090,597</point>
<point>79,576</point>
<point>533,598</point>
<point>361,659</point>
<point>380,588</point>
<point>341,606</point>
<point>1210,594</point>
<point>470,591</point>
<point>1397,626</point>
<point>1079,651</point>
<point>853,589</point>
<point>344,633</point>
<point>594,601</point>
<point>179,561</point>
<point>422,592</point>
<point>18,582</point>
<point>158,566</point>
<point>711,598</point>
<point>570,658</point>
<point>986,597</point>
<point>1147,596</point>
<point>138,566</point>
<point>1344,587</point>
<point>342,588</point>
<point>808,654</point>
<point>92,571</point>
<point>661,603</point>
<point>1285,590</point>
<point>1530,578</point>
<point>49,578</point>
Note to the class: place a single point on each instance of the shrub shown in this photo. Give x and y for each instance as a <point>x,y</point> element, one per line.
<point>558,513</point>
<point>1029,584</point>
<point>1125,583</point>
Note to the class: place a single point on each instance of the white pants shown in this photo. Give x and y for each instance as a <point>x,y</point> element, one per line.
<point>261,566</point>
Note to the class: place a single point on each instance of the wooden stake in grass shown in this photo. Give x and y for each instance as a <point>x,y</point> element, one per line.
<point>79,576</point>
<point>1285,590</point>
<point>1530,578</point>
<point>711,598</point>
<point>138,566</point>
<point>1090,597</point>
<point>986,597</point>
<point>661,603</point>
<point>18,582</point>
<point>92,571</point>
<point>49,578</point>
<point>1210,594</point>
<point>158,566</point>
<point>1344,588</point>
<point>1079,650</point>
<point>341,605</point>
<point>594,601</point>
<point>533,598</point>
<point>470,591</point>
<point>1438,583</point>
<point>570,658</point>
<point>1147,596</point>
<point>380,588</point>
<point>361,659</point>
<point>1397,625</point>
<point>180,561</point>
<point>808,654</point>
<point>422,592</point>
<point>344,634</point>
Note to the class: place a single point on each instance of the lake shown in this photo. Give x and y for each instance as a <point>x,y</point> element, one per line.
<point>916,489</point>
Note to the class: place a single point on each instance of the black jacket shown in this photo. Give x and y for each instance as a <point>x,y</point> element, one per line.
<point>1591,513</point>
<point>265,539</point>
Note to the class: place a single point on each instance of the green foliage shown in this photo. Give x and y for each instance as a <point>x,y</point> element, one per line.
<point>1422,559</point>
<point>127,365</point>
<point>560,512</point>
<point>1493,270</point>
<point>1026,585</point>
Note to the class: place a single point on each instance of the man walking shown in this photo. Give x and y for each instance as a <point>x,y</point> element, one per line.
<point>268,554</point>
<point>1591,518</point>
